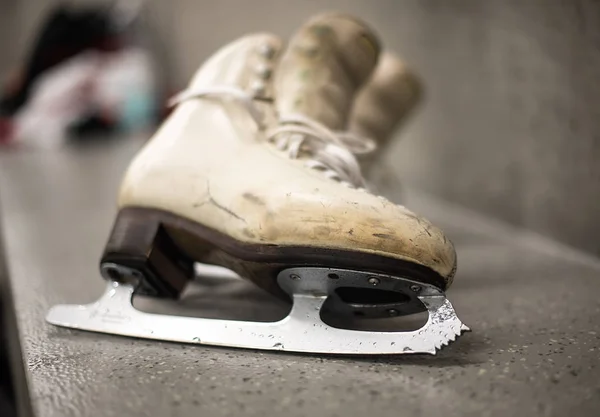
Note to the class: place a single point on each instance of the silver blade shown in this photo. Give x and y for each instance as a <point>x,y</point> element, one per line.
<point>301,331</point>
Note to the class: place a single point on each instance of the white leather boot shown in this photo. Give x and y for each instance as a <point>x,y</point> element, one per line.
<point>217,187</point>
<point>249,173</point>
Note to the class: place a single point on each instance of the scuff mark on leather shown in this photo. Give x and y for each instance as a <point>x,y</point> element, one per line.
<point>254,199</point>
<point>383,235</point>
<point>322,231</point>
<point>212,201</point>
<point>248,233</point>
<point>226,210</point>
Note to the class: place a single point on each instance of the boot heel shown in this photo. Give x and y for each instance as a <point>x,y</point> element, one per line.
<point>138,242</point>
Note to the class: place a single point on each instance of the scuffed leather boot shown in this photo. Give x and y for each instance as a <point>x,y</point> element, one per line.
<point>213,188</point>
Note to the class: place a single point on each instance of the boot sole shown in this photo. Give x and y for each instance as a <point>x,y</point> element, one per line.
<point>163,247</point>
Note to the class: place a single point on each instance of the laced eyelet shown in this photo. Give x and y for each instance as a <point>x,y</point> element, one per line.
<point>264,71</point>
<point>266,50</point>
<point>258,87</point>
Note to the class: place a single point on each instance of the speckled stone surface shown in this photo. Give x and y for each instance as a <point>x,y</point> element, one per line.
<point>534,311</point>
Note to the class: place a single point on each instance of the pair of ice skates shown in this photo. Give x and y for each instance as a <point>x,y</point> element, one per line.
<point>258,169</point>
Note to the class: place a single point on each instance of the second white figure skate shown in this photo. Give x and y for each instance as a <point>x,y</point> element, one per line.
<point>250,172</point>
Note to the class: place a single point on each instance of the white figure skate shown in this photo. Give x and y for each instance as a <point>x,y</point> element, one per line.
<point>250,173</point>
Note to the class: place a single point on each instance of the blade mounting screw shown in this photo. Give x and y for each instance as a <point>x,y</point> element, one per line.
<point>415,288</point>
<point>374,281</point>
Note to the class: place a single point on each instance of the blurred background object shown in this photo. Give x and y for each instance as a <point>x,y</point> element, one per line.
<point>84,71</point>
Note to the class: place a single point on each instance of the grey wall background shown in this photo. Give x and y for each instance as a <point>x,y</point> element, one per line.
<point>511,124</point>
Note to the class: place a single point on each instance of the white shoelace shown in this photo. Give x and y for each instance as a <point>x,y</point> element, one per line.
<point>299,135</point>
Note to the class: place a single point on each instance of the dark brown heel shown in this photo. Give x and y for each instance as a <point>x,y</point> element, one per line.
<point>139,242</point>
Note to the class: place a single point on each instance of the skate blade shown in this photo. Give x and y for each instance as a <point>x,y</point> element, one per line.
<point>301,331</point>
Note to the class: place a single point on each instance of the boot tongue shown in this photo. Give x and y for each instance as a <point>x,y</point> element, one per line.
<point>326,62</point>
